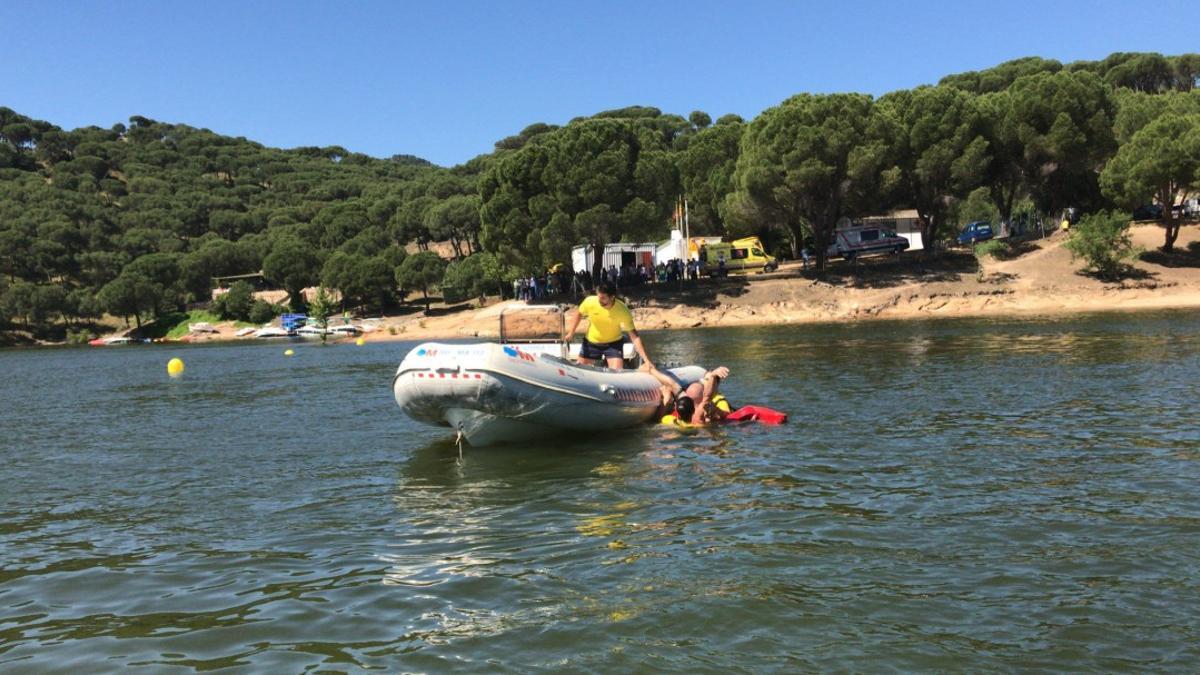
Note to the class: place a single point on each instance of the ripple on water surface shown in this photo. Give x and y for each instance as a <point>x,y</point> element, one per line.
<point>983,494</point>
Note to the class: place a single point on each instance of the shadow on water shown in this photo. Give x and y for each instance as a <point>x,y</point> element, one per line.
<point>439,462</point>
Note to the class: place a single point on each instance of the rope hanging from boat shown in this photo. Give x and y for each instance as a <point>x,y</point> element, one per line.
<point>458,440</point>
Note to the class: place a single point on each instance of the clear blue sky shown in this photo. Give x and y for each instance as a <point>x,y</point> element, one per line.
<point>445,80</point>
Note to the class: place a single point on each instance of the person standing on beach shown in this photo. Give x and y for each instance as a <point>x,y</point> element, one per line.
<point>609,321</point>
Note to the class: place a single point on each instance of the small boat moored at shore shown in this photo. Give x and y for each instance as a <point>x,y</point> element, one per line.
<point>313,332</point>
<point>273,332</point>
<point>117,341</point>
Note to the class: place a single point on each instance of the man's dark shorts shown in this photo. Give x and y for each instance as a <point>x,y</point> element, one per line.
<point>603,350</point>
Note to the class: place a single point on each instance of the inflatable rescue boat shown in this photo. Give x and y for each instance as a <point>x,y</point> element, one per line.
<point>500,392</point>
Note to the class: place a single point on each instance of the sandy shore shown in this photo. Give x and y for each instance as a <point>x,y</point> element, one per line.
<point>1043,280</point>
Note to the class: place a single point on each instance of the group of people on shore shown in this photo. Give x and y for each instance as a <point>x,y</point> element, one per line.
<point>560,282</point>
<point>671,271</point>
<point>540,286</point>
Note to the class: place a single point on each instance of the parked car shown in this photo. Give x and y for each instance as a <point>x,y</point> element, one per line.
<point>859,240</point>
<point>1191,208</point>
<point>1148,212</point>
<point>973,233</point>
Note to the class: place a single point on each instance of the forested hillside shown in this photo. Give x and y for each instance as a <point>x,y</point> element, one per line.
<point>137,219</point>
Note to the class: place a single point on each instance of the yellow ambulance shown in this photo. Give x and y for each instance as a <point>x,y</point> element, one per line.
<point>744,255</point>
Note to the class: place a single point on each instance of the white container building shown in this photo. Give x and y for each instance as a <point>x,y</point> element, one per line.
<point>619,255</point>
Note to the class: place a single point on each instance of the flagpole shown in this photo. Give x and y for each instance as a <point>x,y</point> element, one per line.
<point>687,228</point>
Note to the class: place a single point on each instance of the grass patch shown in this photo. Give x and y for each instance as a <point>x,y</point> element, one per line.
<point>995,248</point>
<point>175,325</point>
<point>1004,249</point>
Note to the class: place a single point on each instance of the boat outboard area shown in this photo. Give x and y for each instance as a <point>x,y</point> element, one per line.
<point>525,386</point>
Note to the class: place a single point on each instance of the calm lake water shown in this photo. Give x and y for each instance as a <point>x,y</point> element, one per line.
<point>983,495</point>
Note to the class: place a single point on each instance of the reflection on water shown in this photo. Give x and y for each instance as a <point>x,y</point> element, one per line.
<point>990,495</point>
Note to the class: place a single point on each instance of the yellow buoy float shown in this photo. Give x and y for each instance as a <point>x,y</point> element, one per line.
<point>360,342</point>
<point>175,367</point>
<point>288,353</point>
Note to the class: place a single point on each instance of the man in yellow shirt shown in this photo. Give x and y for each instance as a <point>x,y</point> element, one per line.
<point>609,320</point>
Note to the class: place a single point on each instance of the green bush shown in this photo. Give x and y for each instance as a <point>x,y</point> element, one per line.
<point>175,325</point>
<point>977,206</point>
<point>320,309</point>
<point>262,311</point>
<point>235,303</point>
<point>453,294</point>
<point>1102,240</point>
<point>475,276</point>
<point>996,248</point>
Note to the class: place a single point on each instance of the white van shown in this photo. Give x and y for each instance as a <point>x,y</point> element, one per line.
<point>859,240</point>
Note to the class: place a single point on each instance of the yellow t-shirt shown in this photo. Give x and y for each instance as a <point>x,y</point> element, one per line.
<point>605,323</point>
